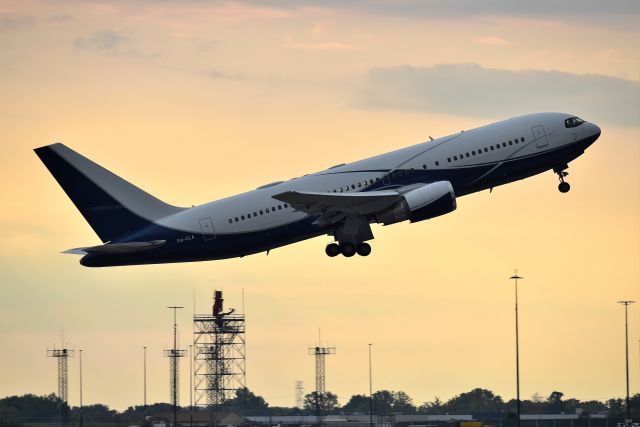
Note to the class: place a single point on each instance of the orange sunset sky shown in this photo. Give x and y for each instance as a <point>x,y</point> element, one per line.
<point>197,100</point>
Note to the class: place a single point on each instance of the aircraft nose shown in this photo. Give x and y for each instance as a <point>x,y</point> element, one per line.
<point>596,131</point>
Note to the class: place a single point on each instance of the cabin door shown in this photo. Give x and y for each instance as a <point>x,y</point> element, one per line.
<point>208,232</point>
<point>540,136</point>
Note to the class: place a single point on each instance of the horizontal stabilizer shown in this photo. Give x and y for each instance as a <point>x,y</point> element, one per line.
<point>117,248</point>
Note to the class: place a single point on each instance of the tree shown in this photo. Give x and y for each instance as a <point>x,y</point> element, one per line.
<point>326,402</point>
<point>357,404</point>
<point>616,407</point>
<point>383,402</point>
<point>432,408</point>
<point>555,403</point>
<point>32,408</point>
<point>476,401</point>
<point>247,403</point>
<point>593,407</point>
<point>386,402</point>
<point>403,403</point>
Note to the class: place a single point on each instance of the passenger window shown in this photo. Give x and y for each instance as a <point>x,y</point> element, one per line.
<point>467,154</point>
<point>504,144</point>
<point>230,221</point>
<point>449,159</point>
<point>491,147</point>
<point>370,181</point>
<point>522,139</point>
<point>437,163</point>
<point>255,214</point>
<point>242,217</point>
<point>353,187</point>
<point>486,149</point>
<point>455,158</point>
<point>424,166</point>
<point>359,184</point>
<point>280,207</point>
<point>510,143</point>
<point>473,152</point>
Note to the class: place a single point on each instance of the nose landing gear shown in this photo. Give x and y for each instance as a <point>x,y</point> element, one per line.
<point>563,187</point>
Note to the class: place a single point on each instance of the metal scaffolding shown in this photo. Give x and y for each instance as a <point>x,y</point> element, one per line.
<point>219,354</point>
<point>62,355</point>
<point>299,394</point>
<point>320,353</point>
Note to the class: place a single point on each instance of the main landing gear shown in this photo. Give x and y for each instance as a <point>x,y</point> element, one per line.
<point>563,187</point>
<point>348,249</point>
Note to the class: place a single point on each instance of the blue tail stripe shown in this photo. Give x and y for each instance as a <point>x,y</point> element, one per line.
<point>108,218</point>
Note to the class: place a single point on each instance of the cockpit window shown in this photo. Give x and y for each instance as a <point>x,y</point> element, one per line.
<point>573,122</point>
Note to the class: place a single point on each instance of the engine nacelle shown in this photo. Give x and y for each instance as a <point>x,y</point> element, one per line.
<point>427,201</point>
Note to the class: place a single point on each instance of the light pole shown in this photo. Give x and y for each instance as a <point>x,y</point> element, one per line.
<point>191,385</point>
<point>370,391</point>
<point>144,382</point>
<point>81,407</point>
<point>515,278</point>
<point>626,349</point>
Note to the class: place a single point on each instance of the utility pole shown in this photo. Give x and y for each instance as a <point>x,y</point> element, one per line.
<point>370,391</point>
<point>515,278</point>
<point>626,350</point>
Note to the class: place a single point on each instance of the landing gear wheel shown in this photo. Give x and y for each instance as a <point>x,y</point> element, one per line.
<point>332,249</point>
<point>564,187</point>
<point>347,249</point>
<point>363,249</point>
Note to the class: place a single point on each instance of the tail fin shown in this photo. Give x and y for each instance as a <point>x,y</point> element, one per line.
<point>111,205</point>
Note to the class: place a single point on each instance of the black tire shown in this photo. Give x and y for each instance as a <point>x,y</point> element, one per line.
<point>332,250</point>
<point>363,249</point>
<point>564,187</point>
<point>347,249</point>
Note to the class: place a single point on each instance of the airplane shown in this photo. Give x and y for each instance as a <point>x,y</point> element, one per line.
<point>415,183</point>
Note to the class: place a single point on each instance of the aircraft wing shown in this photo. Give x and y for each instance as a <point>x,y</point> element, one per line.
<point>334,206</point>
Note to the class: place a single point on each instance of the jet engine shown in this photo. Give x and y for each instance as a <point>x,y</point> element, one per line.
<point>424,202</point>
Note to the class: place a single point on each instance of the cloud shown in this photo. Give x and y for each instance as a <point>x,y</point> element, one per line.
<point>100,41</point>
<point>112,43</point>
<point>476,91</point>
<point>327,45</point>
<point>492,40</point>
<point>217,74</point>
<point>466,8</point>
<point>16,22</point>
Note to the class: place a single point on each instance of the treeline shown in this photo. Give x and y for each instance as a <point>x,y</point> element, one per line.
<point>482,403</point>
